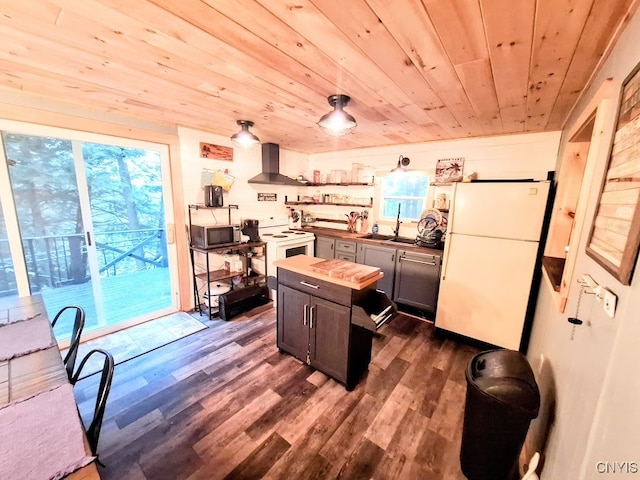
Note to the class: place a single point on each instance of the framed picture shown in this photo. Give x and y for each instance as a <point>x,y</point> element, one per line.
<point>615,233</point>
<point>216,152</point>
<point>449,170</point>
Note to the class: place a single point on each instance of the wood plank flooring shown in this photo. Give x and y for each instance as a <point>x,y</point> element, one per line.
<point>224,403</point>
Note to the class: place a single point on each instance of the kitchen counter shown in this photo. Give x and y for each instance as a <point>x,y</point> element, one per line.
<point>333,232</point>
<point>360,237</point>
<point>303,264</point>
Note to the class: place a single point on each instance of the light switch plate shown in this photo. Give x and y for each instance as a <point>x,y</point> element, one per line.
<point>609,301</point>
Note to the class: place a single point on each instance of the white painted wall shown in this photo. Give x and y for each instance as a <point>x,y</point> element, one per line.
<point>596,373</point>
<point>245,164</point>
<point>509,156</point>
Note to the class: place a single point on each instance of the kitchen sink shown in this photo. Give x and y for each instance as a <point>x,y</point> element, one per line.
<point>377,236</point>
<point>403,240</point>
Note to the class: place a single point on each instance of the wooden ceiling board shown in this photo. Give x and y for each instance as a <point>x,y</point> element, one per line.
<point>164,64</point>
<point>459,25</point>
<point>558,27</point>
<point>339,62</point>
<point>171,73</point>
<point>595,41</point>
<point>307,66</point>
<point>509,30</point>
<point>371,36</point>
<point>417,70</point>
<point>247,58</point>
<point>426,52</point>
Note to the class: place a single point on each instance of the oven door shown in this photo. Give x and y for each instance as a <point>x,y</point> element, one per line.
<point>288,248</point>
<point>278,250</point>
<point>292,249</point>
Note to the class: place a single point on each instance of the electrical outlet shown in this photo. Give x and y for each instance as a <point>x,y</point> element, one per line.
<point>599,291</point>
<point>609,301</point>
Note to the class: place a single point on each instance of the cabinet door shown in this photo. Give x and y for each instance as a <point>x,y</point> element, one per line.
<point>325,247</point>
<point>385,259</point>
<point>329,338</point>
<point>417,280</point>
<point>293,328</point>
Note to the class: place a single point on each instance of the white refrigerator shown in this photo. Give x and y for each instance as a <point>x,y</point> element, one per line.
<point>490,255</point>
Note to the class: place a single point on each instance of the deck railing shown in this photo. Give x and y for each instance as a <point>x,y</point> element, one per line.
<point>58,260</point>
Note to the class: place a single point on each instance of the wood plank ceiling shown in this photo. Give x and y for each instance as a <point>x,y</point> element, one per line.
<point>416,70</point>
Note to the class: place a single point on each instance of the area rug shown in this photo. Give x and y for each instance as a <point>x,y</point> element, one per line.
<point>138,340</point>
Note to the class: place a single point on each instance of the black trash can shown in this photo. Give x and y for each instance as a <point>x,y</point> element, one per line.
<point>502,399</point>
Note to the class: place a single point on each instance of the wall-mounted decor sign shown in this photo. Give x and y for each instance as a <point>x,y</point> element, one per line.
<point>267,197</point>
<point>615,232</point>
<point>449,170</point>
<point>216,152</point>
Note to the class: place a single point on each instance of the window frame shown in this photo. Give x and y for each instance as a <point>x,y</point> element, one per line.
<point>380,198</point>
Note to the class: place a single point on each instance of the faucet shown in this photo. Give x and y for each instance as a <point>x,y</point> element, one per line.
<point>398,222</point>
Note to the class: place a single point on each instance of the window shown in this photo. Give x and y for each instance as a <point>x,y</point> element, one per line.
<point>406,191</point>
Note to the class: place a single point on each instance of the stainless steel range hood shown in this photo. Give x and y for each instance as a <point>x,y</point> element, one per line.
<point>271,168</point>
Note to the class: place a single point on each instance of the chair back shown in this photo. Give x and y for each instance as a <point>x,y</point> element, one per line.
<point>78,326</point>
<point>93,431</point>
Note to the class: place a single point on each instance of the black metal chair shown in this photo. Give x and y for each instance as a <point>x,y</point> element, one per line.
<point>93,431</point>
<point>78,326</point>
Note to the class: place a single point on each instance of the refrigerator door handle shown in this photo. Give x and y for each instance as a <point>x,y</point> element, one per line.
<point>447,247</point>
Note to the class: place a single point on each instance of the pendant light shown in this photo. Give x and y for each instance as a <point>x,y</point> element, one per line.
<point>338,122</point>
<point>402,164</point>
<point>244,138</point>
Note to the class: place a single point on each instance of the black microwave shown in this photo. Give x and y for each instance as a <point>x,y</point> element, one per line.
<point>214,236</point>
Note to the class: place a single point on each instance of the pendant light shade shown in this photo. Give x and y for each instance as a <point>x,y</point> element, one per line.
<point>338,122</point>
<point>244,138</point>
<point>402,164</point>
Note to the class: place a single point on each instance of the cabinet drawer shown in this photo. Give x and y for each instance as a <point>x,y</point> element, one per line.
<point>349,257</point>
<point>313,286</point>
<point>345,247</point>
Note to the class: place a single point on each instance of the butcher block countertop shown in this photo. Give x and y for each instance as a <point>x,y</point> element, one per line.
<point>333,232</point>
<point>339,272</point>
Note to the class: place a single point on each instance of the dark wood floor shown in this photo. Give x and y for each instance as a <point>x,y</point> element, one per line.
<point>224,403</point>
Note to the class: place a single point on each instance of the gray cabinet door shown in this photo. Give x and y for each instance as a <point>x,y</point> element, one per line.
<point>329,339</point>
<point>382,257</point>
<point>325,247</point>
<point>417,280</point>
<point>293,327</point>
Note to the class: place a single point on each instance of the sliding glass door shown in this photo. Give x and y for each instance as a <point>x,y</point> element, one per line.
<point>92,226</point>
<point>8,287</point>
<point>124,187</point>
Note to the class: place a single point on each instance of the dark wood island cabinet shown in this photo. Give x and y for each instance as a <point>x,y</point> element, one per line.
<point>328,321</point>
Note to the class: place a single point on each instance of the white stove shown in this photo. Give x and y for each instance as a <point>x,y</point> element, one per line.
<point>282,242</point>
<point>283,235</point>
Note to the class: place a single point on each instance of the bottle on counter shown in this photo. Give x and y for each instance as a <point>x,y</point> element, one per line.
<point>374,229</point>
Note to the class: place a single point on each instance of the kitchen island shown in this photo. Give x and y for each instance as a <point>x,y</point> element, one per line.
<point>328,311</point>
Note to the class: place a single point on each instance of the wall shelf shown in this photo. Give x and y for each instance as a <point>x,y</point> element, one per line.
<point>350,184</point>
<point>202,206</point>
<point>331,220</point>
<point>368,205</point>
